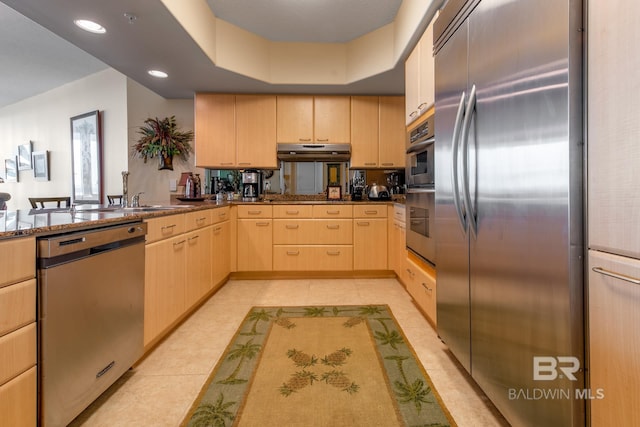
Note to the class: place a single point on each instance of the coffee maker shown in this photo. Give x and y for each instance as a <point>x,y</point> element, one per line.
<point>250,185</point>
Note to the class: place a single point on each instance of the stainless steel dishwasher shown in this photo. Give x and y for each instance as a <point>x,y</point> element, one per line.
<point>90,315</point>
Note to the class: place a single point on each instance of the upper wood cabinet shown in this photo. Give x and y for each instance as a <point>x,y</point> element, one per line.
<point>419,77</point>
<point>313,119</point>
<point>377,132</point>
<point>235,131</point>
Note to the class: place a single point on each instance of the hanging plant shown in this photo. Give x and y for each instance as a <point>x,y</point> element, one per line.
<point>163,139</point>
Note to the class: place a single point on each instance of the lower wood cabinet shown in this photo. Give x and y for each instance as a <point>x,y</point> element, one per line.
<point>198,264</point>
<point>18,400</point>
<point>164,294</point>
<point>221,255</point>
<point>421,285</point>
<point>312,257</point>
<point>255,244</point>
<point>370,237</point>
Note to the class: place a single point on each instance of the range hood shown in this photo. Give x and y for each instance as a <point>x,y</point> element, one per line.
<point>314,152</point>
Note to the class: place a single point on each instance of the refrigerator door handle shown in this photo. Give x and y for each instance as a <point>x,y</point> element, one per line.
<point>616,275</point>
<point>455,142</point>
<point>466,126</point>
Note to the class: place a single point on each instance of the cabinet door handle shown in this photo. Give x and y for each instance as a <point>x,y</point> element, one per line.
<point>371,212</point>
<point>410,272</point>
<point>333,253</point>
<point>333,226</point>
<point>262,224</point>
<point>333,212</point>
<point>226,163</point>
<point>413,113</point>
<point>244,163</point>
<point>304,139</point>
<point>421,106</point>
<point>369,163</point>
<point>387,164</point>
<point>178,243</point>
<point>363,223</point>
<point>293,212</point>
<point>217,229</point>
<point>615,275</point>
<point>322,139</point>
<point>222,214</point>
<point>293,253</point>
<point>292,226</point>
<point>193,238</point>
<point>428,289</point>
<point>200,220</point>
<point>168,227</point>
<point>254,212</point>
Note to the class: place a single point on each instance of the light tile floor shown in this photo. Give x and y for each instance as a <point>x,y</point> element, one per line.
<point>159,391</point>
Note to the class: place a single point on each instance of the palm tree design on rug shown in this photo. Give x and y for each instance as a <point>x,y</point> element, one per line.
<point>213,414</point>
<point>256,317</point>
<point>409,393</point>
<point>392,338</point>
<point>246,351</point>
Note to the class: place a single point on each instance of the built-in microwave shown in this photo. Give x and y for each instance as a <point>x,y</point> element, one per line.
<point>420,154</point>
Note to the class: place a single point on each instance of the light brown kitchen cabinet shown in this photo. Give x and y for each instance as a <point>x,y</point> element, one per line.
<point>235,131</point>
<point>215,130</point>
<point>164,295</point>
<point>370,237</point>
<point>304,242</point>
<point>421,285</point>
<point>313,119</point>
<point>255,238</point>
<point>198,264</point>
<point>18,336</point>
<point>377,132</point>
<point>419,77</point>
<point>221,256</point>
<point>397,241</point>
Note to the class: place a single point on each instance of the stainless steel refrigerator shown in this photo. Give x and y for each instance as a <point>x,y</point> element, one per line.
<point>509,202</point>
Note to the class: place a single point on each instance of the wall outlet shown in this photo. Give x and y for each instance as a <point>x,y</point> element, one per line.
<point>173,185</point>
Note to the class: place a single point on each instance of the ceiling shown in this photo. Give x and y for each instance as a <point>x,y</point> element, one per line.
<point>46,50</point>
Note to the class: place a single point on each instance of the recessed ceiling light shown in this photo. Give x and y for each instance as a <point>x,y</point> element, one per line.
<point>92,27</point>
<point>158,73</point>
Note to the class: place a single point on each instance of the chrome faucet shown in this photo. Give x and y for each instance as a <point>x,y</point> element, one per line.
<point>125,189</point>
<point>135,200</point>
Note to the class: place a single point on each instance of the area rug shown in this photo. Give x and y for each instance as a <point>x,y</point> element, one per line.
<point>319,366</point>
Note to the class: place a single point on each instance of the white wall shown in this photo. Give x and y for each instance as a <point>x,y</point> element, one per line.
<point>142,104</point>
<point>45,120</point>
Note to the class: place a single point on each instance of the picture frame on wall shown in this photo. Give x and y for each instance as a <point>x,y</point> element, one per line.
<point>334,192</point>
<point>41,165</point>
<point>24,156</point>
<point>86,158</point>
<point>11,170</point>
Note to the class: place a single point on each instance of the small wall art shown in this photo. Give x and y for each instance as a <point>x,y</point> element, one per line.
<point>24,156</point>
<point>11,169</point>
<point>41,165</point>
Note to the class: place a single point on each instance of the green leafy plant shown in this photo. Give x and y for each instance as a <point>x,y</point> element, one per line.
<point>161,137</point>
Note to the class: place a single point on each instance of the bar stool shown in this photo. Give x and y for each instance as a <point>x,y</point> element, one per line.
<point>114,199</point>
<point>42,200</point>
<point>3,200</point>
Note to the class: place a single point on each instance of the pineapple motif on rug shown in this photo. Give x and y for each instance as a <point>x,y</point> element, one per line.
<point>319,366</point>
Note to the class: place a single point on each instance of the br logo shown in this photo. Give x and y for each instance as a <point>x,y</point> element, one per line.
<point>545,368</point>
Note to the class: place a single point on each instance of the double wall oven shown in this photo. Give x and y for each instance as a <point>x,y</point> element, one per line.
<point>421,190</point>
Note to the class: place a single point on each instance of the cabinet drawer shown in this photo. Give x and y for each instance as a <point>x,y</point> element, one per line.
<point>422,287</point>
<point>17,352</point>
<point>399,213</point>
<point>255,211</point>
<point>220,214</point>
<point>197,219</point>
<point>312,232</point>
<point>164,227</point>
<point>312,258</point>
<point>370,211</point>
<point>17,260</point>
<point>293,211</point>
<point>333,211</point>
<point>17,305</point>
<point>18,407</point>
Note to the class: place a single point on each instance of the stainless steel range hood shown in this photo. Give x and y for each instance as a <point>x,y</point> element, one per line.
<point>314,152</point>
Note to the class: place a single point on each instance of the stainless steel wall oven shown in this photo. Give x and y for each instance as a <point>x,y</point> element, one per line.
<point>420,177</point>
